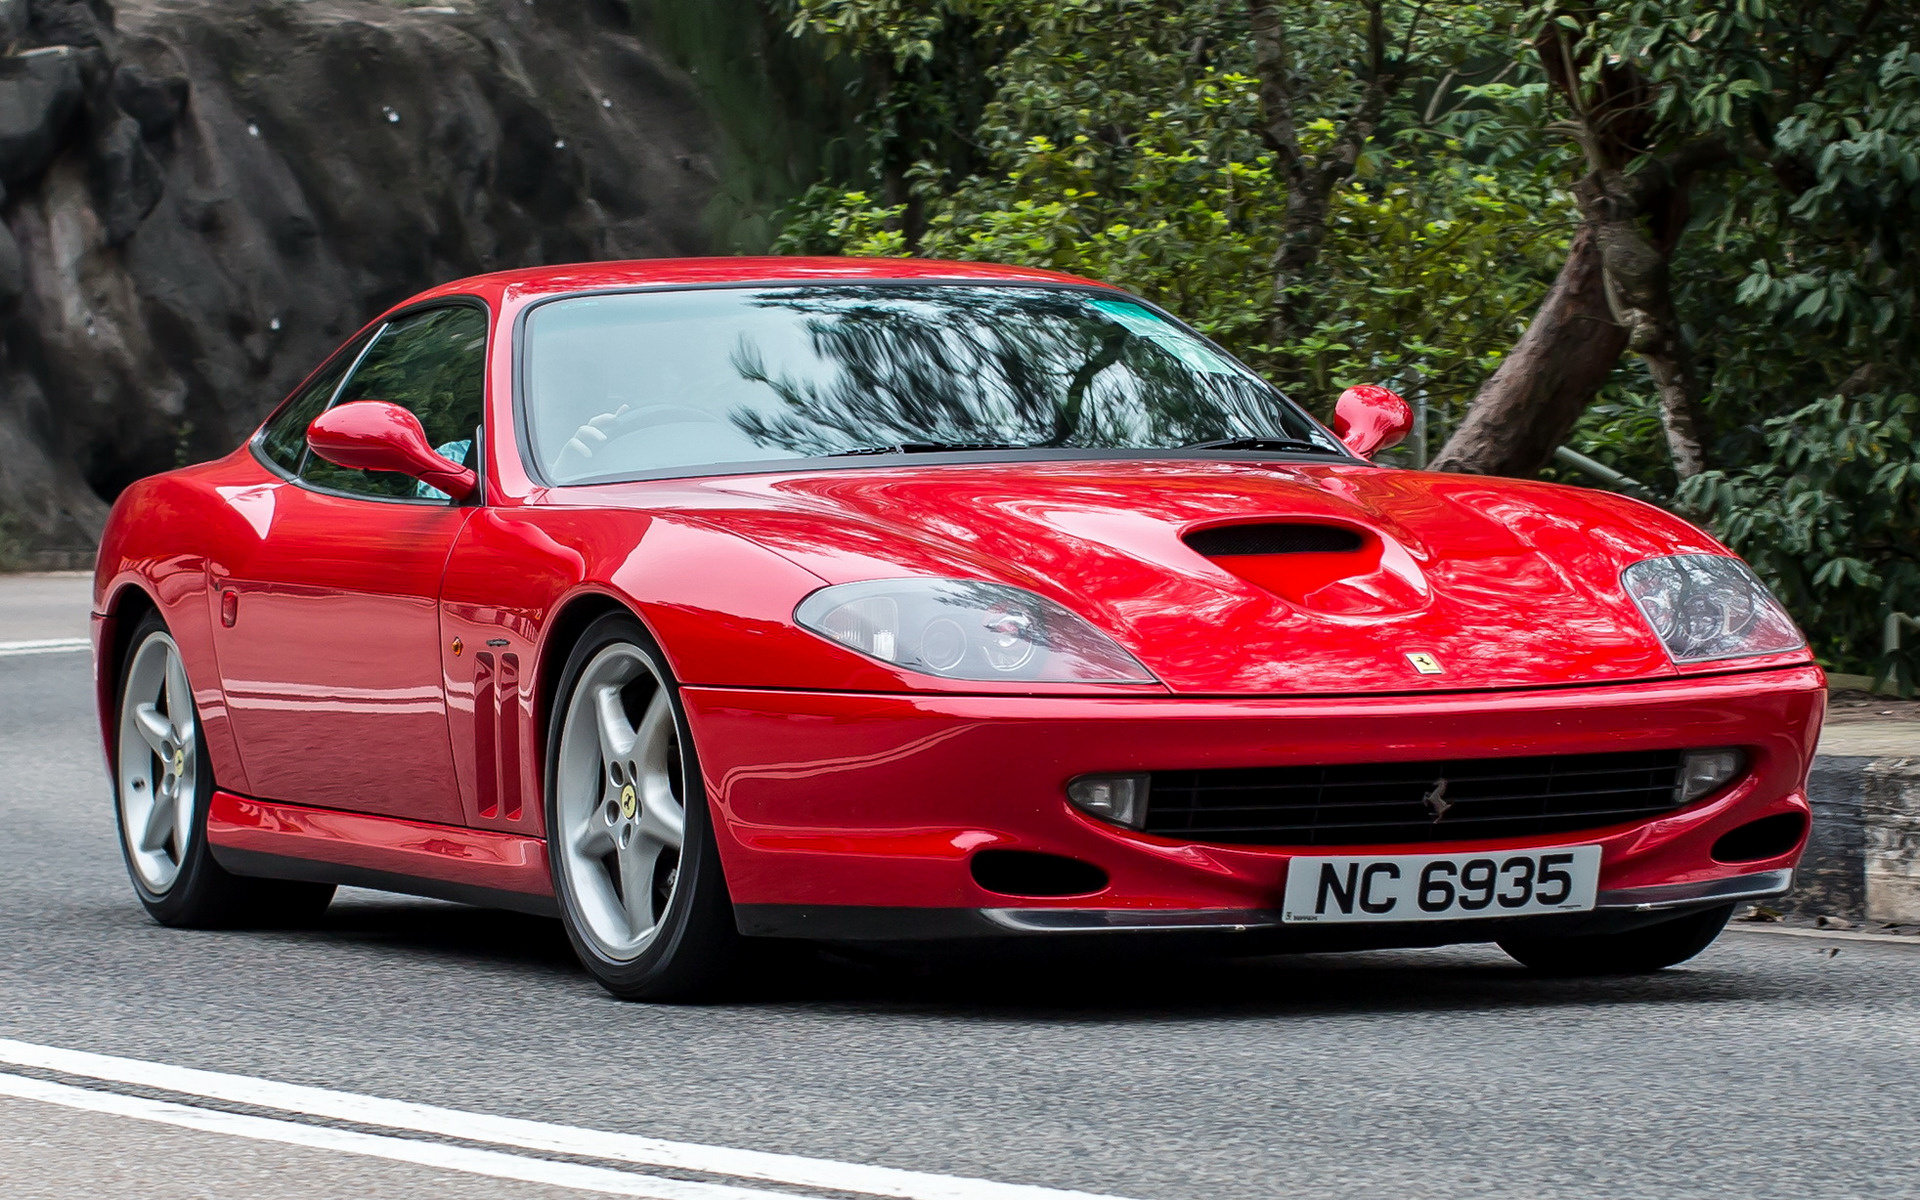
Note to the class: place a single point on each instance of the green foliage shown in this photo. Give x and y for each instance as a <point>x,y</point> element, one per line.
<point>924,79</point>
<point>1798,281</point>
<point>1828,516</point>
<point>1123,141</point>
<point>903,30</point>
<point>1792,271</point>
<point>1126,140</point>
<point>1179,215</point>
<point>1431,271</point>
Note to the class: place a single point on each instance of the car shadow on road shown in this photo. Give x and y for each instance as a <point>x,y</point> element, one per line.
<point>1141,985</point>
<point>1118,981</point>
<point>481,936</point>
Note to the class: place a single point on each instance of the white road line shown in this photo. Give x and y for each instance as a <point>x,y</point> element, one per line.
<point>44,646</point>
<point>494,1163</point>
<point>824,1174</point>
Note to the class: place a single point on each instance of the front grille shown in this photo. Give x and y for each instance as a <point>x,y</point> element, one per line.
<point>1380,804</point>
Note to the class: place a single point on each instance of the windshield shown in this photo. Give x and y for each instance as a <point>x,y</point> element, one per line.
<point>627,384</point>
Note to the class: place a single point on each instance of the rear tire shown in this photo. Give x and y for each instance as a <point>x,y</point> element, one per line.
<point>163,787</point>
<point>1635,952</point>
<point>630,840</point>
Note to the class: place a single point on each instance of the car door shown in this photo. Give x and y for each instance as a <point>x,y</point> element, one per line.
<point>331,663</point>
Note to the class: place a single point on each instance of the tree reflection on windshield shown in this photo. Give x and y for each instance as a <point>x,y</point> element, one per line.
<point>622,384</point>
<point>978,365</point>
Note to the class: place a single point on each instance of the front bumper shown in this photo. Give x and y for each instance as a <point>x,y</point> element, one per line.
<point>855,815</point>
<point>1663,899</point>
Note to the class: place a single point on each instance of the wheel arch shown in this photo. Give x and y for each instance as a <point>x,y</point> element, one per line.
<point>126,606</point>
<point>564,630</point>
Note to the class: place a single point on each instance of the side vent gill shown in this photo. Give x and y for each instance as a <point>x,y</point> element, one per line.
<point>486,733</point>
<point>496,734</point>
<point>1236,541</point>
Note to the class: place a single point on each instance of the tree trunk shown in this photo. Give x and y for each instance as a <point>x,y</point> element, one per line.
<point>1640,292</point>
<point>1310,184</point>
<point>1527,409</point>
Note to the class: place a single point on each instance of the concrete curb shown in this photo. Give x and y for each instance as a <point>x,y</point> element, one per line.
<point>1863,859</point>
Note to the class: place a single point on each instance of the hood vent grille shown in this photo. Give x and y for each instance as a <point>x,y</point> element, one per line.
<point>1236,541</point>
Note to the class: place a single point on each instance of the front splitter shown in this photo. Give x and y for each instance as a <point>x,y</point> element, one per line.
<point>1620,908</point>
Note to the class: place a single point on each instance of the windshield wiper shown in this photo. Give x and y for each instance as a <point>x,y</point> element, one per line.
<point>1259,443</point>
<point>927,448</point>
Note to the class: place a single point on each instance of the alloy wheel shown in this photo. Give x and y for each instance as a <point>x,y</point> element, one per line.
<point>620,803</point>
<point>159,763</point>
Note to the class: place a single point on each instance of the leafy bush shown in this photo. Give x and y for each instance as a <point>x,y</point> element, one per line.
<point>1127,140</point>
<point>1123,141</point>
<point>1829,516</point>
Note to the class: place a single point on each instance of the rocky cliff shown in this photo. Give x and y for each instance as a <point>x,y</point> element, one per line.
<point>203,197</point>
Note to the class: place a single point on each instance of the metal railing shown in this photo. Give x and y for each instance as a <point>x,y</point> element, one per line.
<point>1890,632</point>
<point>1606,474</point>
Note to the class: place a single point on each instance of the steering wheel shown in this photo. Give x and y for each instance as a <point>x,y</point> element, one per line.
<point>603,431</point>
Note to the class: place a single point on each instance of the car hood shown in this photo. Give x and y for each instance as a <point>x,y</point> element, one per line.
<point>1458,581</point>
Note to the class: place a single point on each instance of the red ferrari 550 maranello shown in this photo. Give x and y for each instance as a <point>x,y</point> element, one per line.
<point>710,600</point>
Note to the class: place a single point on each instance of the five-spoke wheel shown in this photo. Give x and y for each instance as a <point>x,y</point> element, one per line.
<point>630,841</point>
<point>162,787</point>
<point>623,818</point>
<point>159,762</point>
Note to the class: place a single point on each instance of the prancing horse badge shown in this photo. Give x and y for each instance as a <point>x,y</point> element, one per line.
<point>1425,663</point>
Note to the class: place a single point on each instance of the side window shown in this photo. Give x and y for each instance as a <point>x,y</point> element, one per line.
<point>434,365</point>
<point>284,440</point>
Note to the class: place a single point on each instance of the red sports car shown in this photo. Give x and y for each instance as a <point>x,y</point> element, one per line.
<point>703,601</point>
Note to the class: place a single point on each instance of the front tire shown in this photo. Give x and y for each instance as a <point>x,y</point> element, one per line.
<point>636,867</point>
<point>163,786</point>
<point>1635,952</point>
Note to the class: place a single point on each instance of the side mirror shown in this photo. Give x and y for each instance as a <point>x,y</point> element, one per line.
<point>373,435</point>
<point>1370,419</point>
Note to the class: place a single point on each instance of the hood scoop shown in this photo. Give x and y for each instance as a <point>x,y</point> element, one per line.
<point>1336,569</point>
<point>1243,541</point>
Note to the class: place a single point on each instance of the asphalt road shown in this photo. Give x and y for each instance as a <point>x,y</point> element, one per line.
<point>1773,1066</point>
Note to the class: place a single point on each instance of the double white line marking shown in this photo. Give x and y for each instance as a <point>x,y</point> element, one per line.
<point>425,1119</point>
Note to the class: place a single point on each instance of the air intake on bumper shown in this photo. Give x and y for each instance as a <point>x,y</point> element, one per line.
<point>1378,804</point>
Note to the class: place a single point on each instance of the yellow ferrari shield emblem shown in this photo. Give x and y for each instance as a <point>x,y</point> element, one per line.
<point>1425,663</point>
<point>629,801</point>
<point>179,762</point>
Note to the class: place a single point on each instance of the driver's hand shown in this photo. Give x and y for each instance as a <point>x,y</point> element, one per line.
<point>593,434</point>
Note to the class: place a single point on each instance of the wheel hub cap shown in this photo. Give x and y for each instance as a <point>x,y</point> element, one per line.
<point>619,816</point>
<point>157,763</point>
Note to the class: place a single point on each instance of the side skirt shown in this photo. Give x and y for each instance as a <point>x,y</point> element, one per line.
<point>447,862</point>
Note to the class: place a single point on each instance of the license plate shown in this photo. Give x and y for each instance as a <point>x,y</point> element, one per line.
<point>1441,887</point>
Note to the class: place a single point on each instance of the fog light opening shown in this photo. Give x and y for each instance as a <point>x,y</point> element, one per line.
<point>1704,772</point>
<point>1121,799</point>
<point>1769,837</point>
<point>1030,873</point>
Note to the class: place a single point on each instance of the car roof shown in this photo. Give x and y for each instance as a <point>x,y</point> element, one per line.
<point>658,272</point>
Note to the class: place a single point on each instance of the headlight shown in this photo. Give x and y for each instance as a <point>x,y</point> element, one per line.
<point>965,629</point>
<point>1707,606</point>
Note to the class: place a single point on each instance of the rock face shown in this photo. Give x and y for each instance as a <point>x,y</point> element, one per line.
<point>204,197</point>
